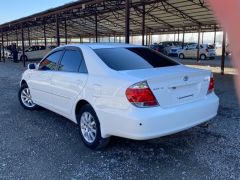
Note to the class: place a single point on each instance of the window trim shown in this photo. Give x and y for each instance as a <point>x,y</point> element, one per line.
<point>72,48</point>
<point>58,50</point>
<point>170,59</point>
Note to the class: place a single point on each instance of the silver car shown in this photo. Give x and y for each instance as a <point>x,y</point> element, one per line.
<point>205,52</point>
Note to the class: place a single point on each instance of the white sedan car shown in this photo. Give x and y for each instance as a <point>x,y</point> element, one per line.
<point>35,52</point>
<point>7,54</point>
<point>119,90</point>
<point>206,51</point>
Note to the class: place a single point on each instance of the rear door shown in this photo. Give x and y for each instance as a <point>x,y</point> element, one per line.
<point>191,51</point>
<point>70,79</point>
<point>187,52</point>
<point>194,51</point>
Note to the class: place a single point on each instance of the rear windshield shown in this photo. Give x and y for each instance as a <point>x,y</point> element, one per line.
<point>121,59</point>
<point>210,47</point>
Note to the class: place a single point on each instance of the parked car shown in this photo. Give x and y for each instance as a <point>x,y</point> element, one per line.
<point>206,51</point>
<point>119,90</point>
<point>35,52</point>
<point>157,47</point>
<point>171,47</point>
<point>7,54</point>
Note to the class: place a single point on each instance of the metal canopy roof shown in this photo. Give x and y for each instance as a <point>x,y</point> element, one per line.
<point>84,18</point>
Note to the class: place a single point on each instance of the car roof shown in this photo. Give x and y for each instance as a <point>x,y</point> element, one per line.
<point>103,45</point>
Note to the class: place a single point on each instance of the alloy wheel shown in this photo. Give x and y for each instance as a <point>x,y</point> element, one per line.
<point>27,98</point>
<point>88,127</point>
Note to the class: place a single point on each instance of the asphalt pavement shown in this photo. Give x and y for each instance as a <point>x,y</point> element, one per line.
<point>44,145</point>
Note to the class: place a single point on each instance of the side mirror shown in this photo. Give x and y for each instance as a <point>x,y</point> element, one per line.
<point>32,66</point>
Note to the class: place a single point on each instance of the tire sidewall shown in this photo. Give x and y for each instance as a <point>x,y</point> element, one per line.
<point>181,56</point>
<point>203,55</point>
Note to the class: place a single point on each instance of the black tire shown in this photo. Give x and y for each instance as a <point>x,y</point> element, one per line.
<point>24,86</point>
<point>181,56</point>
<point>203,57</point>
<point>23,56</point>
<point>99,142</point>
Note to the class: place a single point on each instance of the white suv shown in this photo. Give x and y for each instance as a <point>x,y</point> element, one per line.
<point>35,52</point>
<point>119,90</point>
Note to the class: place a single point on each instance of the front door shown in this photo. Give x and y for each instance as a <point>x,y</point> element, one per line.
<point>40,83</point>
<point>69,81</point>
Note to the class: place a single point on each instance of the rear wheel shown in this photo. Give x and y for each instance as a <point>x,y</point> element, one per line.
<point>203,57</point>
<point>25,98</point>
<point>89,128</point>
<point>181,56</point>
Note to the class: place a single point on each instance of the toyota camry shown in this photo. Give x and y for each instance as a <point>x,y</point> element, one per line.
<point>119,90</point>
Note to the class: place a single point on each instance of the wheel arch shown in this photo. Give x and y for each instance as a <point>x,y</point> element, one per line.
<point>202,54</point>
<point>79,105</point>
<point>23,82</point>
<point>183,56</point>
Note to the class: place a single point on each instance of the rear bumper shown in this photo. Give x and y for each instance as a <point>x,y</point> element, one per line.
<point>148,123</point>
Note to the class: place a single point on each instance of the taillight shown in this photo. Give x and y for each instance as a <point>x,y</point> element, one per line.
<point>141,95</point>
<point>206,50</point>
<point>211,85</point>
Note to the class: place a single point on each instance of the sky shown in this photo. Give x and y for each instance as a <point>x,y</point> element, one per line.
<point>15,9</point>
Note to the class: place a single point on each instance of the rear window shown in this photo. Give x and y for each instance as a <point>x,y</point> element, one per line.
<point>210,47</point>
<point>121,59</point>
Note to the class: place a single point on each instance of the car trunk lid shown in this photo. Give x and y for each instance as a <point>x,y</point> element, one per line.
<point>175,85</point>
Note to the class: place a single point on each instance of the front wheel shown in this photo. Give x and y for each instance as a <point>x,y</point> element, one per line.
<point>181,56</point>
<point>23,57</point>
<point>25,98</point>
<point>90,128</point>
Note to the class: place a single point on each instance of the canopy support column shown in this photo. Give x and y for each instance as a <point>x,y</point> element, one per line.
<point>146,37</point>
<point>57,31</point>
<point>178,35</point>
<point>143,23</point>
<point>7,39</point>
<point>223,52</point>
<point>16,37</point>
<point>23,48</point>
<point>65,31</point>
<point>29,38</point>
<point>44,34</point>
<point>3,48</point>
<point>96,27</point>
<point>198,45</point>
<point>127,25</point>
<point>183,38</point>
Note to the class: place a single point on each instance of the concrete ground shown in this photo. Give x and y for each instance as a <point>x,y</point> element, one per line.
<point>44,145</point>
